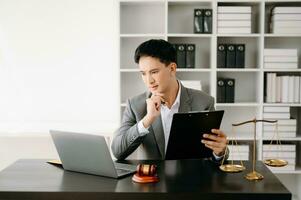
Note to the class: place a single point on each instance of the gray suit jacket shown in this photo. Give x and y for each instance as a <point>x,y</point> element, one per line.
<point>152,145</point>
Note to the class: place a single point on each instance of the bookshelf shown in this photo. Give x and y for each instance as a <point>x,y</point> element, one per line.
<point>172,20</point>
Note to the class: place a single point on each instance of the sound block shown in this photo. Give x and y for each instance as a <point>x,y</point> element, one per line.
<point>145,179</point>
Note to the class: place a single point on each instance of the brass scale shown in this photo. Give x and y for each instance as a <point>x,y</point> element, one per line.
<point>253,175</point>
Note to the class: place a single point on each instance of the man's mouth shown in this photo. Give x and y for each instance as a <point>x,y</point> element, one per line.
<point>153,87</point>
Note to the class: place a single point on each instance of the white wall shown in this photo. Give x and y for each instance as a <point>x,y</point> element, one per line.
<point>58,70</point>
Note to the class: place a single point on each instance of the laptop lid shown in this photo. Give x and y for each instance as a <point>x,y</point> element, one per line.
<point>186,134</point>
<point>84,153</point>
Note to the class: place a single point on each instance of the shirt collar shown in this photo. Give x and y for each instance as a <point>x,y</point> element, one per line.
<point>177,101</point>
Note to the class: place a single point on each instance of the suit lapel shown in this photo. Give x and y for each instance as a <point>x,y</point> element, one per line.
<point>185,101</point>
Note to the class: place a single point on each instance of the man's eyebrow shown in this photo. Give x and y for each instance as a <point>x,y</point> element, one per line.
<point>149,70</point>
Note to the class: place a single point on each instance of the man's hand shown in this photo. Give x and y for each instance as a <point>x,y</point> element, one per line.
<point>153,109</point>
<point>217,141</point>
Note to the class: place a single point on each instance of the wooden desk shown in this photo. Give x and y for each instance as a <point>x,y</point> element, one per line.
<point>183,179</point>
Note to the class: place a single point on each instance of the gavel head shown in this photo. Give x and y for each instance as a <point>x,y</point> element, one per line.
<point>146,170</point>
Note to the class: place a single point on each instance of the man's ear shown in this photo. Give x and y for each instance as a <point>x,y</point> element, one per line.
<point>173,67</point>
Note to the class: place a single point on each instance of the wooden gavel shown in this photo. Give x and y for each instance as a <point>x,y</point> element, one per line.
<point>147,170</point>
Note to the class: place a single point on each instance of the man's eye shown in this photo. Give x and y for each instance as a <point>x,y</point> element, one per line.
<point>155,72</point>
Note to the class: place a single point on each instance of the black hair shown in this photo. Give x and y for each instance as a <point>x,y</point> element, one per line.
<point>156,48</point>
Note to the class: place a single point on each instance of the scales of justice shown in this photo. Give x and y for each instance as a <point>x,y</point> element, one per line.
<point>273,162</point>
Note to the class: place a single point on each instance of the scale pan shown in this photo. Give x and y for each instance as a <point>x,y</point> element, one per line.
<point>232,168</point>
<point>275,162</point>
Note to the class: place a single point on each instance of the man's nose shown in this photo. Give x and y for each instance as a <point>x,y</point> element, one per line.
<point>150,79</point>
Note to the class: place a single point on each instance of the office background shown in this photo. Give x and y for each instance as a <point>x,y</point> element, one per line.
<point>59,69</point>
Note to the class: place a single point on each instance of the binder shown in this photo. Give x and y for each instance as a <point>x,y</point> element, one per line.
<point>207,21</point>
<point>221,56</point>
<point>240,55</point>
<point>221,91</point>
<point>230,56</point>
<point>198,21</point>
<point>180,55</point>
<point>230,88</point>
<point>190,55</point>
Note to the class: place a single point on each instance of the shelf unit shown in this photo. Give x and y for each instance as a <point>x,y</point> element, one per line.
<point>172,20</point>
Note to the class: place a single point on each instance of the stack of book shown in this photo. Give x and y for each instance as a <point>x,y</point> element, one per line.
<point>287,127</point>
<point>202,20</point>
<point>234,19</point>
<point>231,55</point>
<point>192,84</point>
<point>281,58</point>
<point>225,90</point>
<point>285,151</point>
<point>185,55</point>
<point>282,89</point>
<point>286,20</point>
<point>238,152</point>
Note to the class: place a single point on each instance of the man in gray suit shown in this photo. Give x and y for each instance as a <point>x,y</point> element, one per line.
<point>147,118</point>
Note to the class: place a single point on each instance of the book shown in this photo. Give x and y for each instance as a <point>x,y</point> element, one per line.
<point>284,17</point>
<point>207,24</point>
<point>283,147</point>
<point>234,23</point>
<point>268,115</point>
<point>221,56</point>
<point>221,91</point>
<point>278,89</point>
<point>233,16</point>
<point>230,56</point>
<point>276,109</point>
<point>286,23</point>
<point>240,55</point>
<point>282,154</point>
<point>280,128</point>
<point>181,55</point>
<point>239,148</point>
<point>297,89</point>
<point>192,84</point>
<point>198,21</point>
<point>280,52</point>
<point>278,65</point>
<point>286,9</point>
<point>234,30</point>
<point>291,89</point>
<point>284,89</point>
<point>286,30</point>
<point>280,59</point>
<point>273,135</point>
<point>284,168</point>
<point>190,55</point>
<point>234,9</point>
<point>230,90</point>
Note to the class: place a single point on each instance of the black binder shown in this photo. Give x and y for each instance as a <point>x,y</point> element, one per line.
<point>180,55</point>
<point>190,55</point>
<point>230,56</point>
<point>207,21</point>
<point>198,21</point>
<point>230,88</point>
<point>221,56</point>
<point>221,91</point>
<point>240,55</point>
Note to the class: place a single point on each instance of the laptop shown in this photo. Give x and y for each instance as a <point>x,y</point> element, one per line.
<point>88,154</point>
<point>186,134</point>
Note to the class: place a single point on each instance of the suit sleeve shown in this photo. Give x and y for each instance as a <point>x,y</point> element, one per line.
<point>127,138</point>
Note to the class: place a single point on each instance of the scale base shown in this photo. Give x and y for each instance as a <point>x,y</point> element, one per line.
<point>254,176</point>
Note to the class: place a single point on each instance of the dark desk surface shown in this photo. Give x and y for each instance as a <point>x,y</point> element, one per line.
<point>190,179</point>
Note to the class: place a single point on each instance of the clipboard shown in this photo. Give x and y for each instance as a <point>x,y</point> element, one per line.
<point>186,134</point>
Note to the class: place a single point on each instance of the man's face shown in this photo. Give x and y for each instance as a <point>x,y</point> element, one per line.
<point>156,75</point>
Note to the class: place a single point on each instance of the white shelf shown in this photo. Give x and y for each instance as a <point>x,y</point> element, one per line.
<point>282,70</point>
<point>129,70</point>
<point>281,35</point>
<point>142,35</point>
<point>239,35</point>
<point>237,104</point>
<point>282,104</point>
<point>189,35</point>
<point>285,139</point>
<point>194,70</point>
<point>238,70</point>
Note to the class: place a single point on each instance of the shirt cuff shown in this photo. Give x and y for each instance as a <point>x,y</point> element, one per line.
<point>217,158</point>
<point>142,130</point>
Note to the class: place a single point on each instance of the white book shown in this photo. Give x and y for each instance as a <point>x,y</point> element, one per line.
<point>234,9</point>
<point>234,30</point>
<point>273,135</point>
<point>278,89</point>
<point>283,154</point>
<point>276,109</point>
<point>280,52</point>
<point>280,128</point>
<point>285,9</point>
<point>297,89</point>
<point>192,84</point>
<point>283,147</point>
<point>276,115</point>
<point>290,161</point>
<point>285,168</point>
<point>284,88</point>
<point>279,17</point>
<point>274,89</point>
<point>231,16</point>
<point>286,23</point>
<point>286,30</point>
<point>234,23</point>
<point>238,148</point>
<point>278,65</point>
<point>238,157</point>
<point>284,122</point>
<point>291,89</point>
<point>281,59</point>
